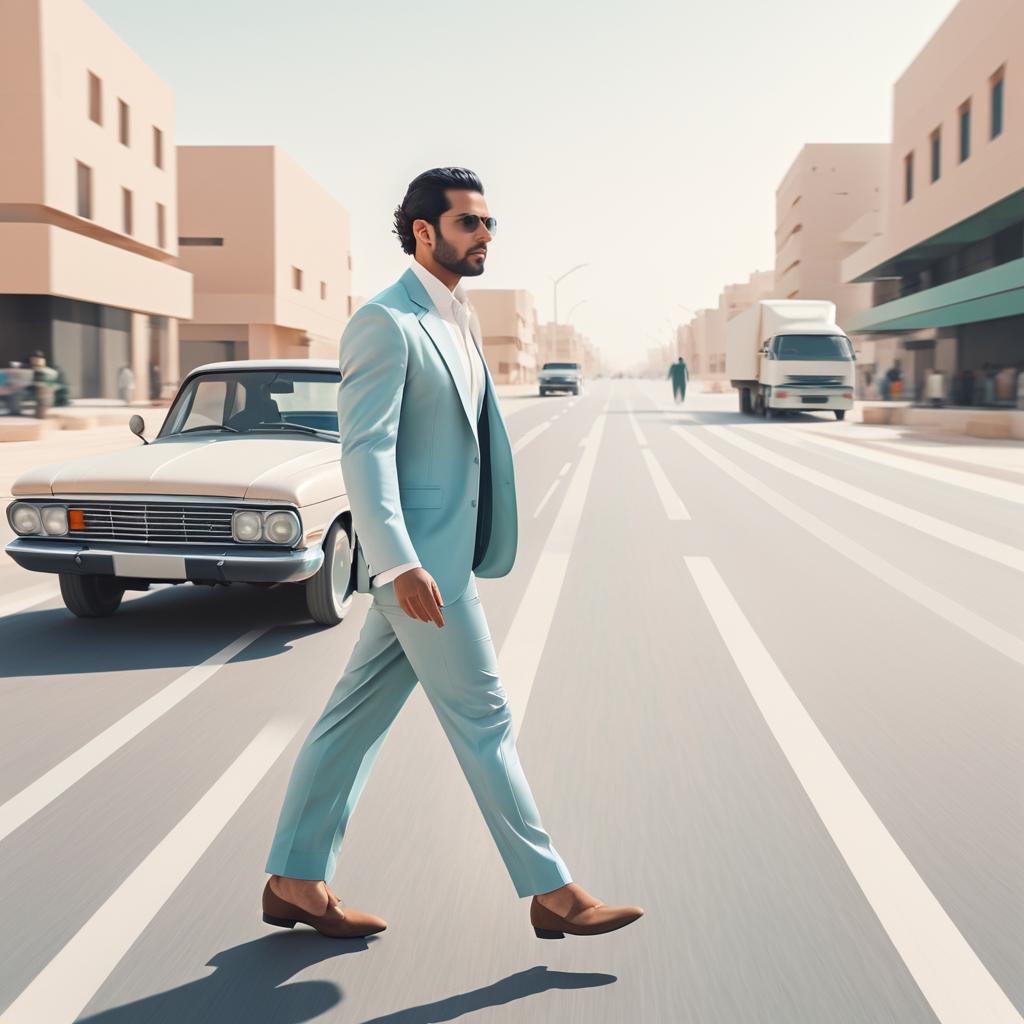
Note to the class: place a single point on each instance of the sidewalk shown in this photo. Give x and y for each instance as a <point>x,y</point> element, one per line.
<point>78,416</point>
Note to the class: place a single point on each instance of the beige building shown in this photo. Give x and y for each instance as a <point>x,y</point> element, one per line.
<point>508,326</point>
<point>560,343</point>
<point>269,251</point>
<point>701,342</point>
<point>826,189</point>
<point>946,256</point>
<point>88,202</point>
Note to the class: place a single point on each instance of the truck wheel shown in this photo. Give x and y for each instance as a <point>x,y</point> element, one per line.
<point>840,413</point>
<point>746,406</point>
<point>329,590</point>
<point>90,597</point>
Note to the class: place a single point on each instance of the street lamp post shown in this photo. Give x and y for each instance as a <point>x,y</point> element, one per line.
<point>579,266</point>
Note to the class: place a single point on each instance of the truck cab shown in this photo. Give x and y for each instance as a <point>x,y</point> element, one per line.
<point>790,355</point>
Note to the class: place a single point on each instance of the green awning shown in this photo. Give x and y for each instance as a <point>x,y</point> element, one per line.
<point>988,295</point>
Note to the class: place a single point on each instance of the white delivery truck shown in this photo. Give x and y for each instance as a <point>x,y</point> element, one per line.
<point>785,354</point>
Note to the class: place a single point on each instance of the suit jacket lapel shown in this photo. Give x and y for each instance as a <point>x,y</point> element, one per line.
<point>437,331</point>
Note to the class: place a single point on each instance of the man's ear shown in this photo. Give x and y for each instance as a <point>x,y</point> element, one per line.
<point>423,231</point>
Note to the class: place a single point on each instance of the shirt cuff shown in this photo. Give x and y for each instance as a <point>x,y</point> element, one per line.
<point>388,575</point>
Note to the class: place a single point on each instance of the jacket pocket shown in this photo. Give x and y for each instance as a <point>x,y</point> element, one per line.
<point>420,497</point>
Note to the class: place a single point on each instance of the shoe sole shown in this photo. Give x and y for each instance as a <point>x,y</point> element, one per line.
<point>281,922</point>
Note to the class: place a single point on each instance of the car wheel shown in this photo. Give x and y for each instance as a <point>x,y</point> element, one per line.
<point>90,597</point>
<point>840,413</point>
<point>329,590</point>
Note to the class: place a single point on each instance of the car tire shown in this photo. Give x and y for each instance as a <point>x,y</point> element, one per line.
<point>329,590</point>
<point>840,413</point>
<point>90,597</point>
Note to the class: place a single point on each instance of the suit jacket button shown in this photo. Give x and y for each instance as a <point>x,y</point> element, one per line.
<point>473,503</point>
<point>476,458</point>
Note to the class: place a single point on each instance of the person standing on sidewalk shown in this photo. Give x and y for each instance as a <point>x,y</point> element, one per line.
<point>428,468</point>
<point>679,374</point>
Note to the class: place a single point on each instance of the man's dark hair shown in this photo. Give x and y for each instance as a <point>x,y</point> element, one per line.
<point>426,199</point>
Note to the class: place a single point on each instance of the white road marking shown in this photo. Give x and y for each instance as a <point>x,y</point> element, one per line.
<point>544,500</point>
<point>29,597</point>
<point>670,500</point>
<point>524,643</point>
<point>529,436</point>
<point>968,540</point>
<point>945,968</point>
<point>980,484</point>
<point>34,797</point>
<point>61,990</point>
<point>954,613</point>
<point>565,469</point>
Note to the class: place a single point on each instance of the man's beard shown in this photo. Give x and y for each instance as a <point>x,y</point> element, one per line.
<point>447,256</point>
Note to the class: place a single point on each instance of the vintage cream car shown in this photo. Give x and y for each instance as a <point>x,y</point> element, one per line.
<point>242,484</point>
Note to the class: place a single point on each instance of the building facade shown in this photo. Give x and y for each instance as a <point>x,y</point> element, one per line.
<point>88,203</point>
<point>826,189</point>
<point>508,328</point>
<point>269,252</point>
<point>947,261</point>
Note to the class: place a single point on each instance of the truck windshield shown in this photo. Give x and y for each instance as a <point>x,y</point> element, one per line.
<point>812,346</point>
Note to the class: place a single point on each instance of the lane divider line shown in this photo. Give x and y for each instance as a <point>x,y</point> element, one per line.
<point>967,540</point>
<point>61,777</point>
<point>670,500</point>
<point>953,612</point>
<point>946,969</point>
<point>62,989</point>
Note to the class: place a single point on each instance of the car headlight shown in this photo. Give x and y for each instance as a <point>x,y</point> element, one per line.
<point>246,526</point>
<point>282,527</point>
<point>25,518</point>
<point>55,520</point>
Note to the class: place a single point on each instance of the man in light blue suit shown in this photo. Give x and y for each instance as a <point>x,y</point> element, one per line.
<point>428,469</point>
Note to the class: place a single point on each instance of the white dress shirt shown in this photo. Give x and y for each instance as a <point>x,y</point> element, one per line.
<point>453,308</point>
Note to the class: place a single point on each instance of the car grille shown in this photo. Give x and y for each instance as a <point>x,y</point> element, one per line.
<point>814,379</point>
<point>154,522</point>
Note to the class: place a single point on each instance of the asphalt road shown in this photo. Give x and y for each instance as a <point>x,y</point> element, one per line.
<point>768,679</point>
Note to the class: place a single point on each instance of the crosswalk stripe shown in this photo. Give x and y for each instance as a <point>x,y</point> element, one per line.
<point>951,977</point>
<point>34,797</point>
<point>968,540</point>
<point>953,612</point>
<point>58,994</point>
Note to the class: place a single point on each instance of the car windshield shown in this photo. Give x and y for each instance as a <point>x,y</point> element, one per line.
<point>560,366</point>
<point>812,346</point>
<point>230,402</point>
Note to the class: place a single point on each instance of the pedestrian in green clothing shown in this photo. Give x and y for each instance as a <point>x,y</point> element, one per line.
<point>679,374</point>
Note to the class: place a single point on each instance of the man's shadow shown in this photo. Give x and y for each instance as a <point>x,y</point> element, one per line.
<point>251,983</point>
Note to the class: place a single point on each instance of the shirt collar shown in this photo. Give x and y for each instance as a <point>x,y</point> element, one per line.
<point>439,293</point>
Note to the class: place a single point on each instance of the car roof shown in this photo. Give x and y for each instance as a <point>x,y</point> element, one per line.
<point>268,364</point>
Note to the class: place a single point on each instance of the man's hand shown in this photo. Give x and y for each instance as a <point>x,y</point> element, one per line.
<point>418,595</point>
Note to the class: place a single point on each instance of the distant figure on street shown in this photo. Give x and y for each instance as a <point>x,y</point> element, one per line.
<point>154,382</point>
<point>679,374</point>
<point>935,387</point>
<point>126,383</point>
<point>43,379</point>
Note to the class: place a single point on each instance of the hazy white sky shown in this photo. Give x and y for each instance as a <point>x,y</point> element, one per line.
<point>643,137</point>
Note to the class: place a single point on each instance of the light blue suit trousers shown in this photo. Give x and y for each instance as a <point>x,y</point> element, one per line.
<point>415,470</point>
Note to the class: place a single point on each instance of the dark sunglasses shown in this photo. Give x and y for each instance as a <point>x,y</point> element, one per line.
<point>471,221</point>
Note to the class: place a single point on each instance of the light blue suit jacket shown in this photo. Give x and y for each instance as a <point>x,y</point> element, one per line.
<point>420,484</point>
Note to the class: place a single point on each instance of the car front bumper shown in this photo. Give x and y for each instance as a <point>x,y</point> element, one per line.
<point>166,562</point>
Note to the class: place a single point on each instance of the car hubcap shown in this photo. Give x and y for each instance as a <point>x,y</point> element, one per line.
<point>341,567</point>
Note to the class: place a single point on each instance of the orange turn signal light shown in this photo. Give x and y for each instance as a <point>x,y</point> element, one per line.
<point>76,519</point>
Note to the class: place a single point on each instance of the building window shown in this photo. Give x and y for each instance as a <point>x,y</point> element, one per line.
<point>161,226</point>
<point>965,131</point>
<point>158,147</point>
<point>123,128</point>
<point>193,240</point>
<point>936,153</point>
<point>95,99</point>
<point>84,174</point>
<point>996,82</point>
<point>323,290</point>
<point>908,177</point>
<point>126,210</point>
<point>297,279</point>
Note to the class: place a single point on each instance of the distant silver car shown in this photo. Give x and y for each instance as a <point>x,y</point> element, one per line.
<point>242,484</point>
<point>560,377</point>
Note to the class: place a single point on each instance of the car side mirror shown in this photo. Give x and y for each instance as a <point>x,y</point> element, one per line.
<point>137,425</point>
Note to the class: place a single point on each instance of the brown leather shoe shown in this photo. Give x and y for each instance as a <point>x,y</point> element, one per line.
<point>334,922</point>
<point>584,917</point>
